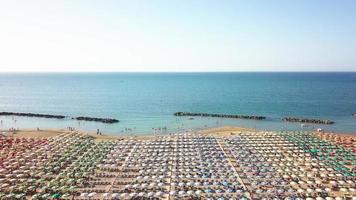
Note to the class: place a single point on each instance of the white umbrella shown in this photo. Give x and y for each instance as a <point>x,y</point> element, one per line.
<point>123,195</point>
<point>190,192</point>
<point>84,194</point>
<point>318,190</point>
<point>310,190</point>
<point>91,194</point>
<point>300,190</point>
<point>158,194</point>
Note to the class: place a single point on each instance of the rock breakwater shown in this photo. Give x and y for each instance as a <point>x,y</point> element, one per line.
<point>31,115</point>
<point>103,120</point>
<point>220,115</point>
<point>312,121</point>
<point>49,116</point>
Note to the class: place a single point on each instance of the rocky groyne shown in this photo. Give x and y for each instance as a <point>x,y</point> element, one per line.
<point>94,119</point>
<point>219,115</point>
<point>312,121</point>
<point>32,115</point>
<point>49,116</point>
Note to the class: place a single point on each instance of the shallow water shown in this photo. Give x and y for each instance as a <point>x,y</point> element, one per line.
<point>142,101</point>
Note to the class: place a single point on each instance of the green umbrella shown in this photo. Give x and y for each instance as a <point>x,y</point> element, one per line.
<point>56,196</point>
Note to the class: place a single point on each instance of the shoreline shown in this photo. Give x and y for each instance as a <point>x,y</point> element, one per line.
<point>213,131</point>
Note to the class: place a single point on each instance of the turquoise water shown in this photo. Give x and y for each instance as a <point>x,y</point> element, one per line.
<point>142,101</point>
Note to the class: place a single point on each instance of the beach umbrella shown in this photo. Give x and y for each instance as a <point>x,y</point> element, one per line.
<point>84,194</point>
<point>300,190</point>
<point>310,190</point>
<point>91,194</point>
<point>159,194</point>
<point>56,196</point>
<point>123,195</point>
<point>318,190</point>
<point>132,194</point>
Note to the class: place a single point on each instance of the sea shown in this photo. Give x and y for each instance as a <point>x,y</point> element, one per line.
<point>145,102</point>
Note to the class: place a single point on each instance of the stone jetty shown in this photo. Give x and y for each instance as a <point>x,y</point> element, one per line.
<point>219,115</point>
<point>94,119</point>
<point>312,121</point>
<point>32,115</point>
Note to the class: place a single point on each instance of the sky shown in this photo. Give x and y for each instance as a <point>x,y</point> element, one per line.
<point>177,35</point>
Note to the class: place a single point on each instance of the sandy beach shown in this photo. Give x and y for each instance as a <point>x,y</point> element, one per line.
<point>218,131</point>
<point>218,163</point>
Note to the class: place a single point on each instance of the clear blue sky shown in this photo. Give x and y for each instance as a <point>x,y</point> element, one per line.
<point>167,35</point>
